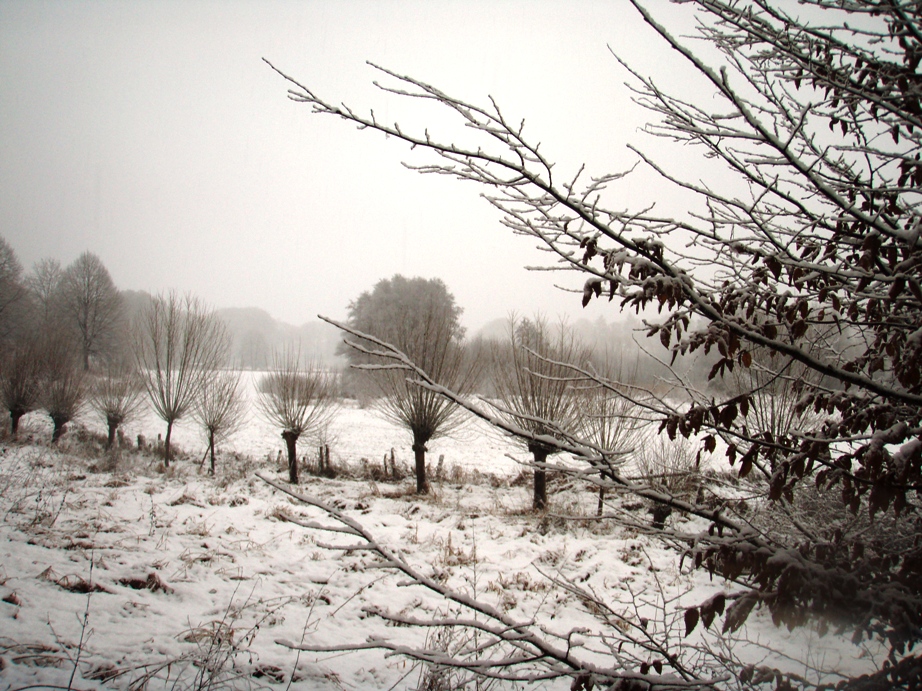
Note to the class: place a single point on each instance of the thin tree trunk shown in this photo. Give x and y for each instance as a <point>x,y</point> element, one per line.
<point>422,483</point>
<point>110,441</point>
<point>166,444</point>
<point>211,448</point>
<point>539,500</point>
<point>291,441</point>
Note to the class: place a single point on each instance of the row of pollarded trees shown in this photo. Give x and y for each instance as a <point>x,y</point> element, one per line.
<point>71,351</point>
<point>528,373</point>
<point>181,361</point>
<point>68,344</point>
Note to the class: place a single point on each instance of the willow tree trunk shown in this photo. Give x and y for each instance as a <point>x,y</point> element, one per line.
<point>59,424</point>
<point>166,444</point>
<point>211,450</point>
<point>422,482</point>
<point>291,442</point>
<point>15,417</point>
<point>539,499</point>
<point>110,440</point>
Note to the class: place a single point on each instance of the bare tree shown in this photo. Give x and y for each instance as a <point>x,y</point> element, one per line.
<point>220,409</point>
<point>537,391</point>
<point>299,398</point>
<point>816,115</point>
<point>117,396</point>
<point>20,368</point>
<point>12,290</point>
<point>62,383</point>
<point>419,316</point>
<point>609,414</point>
<point>44,285</point>
<point>179,343</point>
<point>91,305</point>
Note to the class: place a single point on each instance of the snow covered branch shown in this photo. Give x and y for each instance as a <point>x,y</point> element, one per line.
<point>800,276</point>
<point>513,650</point>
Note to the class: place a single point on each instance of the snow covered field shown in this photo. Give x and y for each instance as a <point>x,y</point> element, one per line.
<point>144,579</point>
<point>354,434</point>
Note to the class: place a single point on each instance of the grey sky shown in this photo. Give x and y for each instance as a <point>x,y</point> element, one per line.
<point>152,134</point>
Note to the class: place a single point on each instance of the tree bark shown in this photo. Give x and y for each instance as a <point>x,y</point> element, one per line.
<point>59,424</point>
<point>539,500</point>
<point>422,482</point>
<point>291,442</point>
<point>166,444</point>
<point>113,427</point>
<point>211,450</point>
<point>15,417</point>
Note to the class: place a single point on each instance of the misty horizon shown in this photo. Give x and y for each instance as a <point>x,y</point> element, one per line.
<point>156,137</point>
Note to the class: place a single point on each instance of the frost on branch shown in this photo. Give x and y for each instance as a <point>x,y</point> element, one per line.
<point>811,298</point>
<point>498,645</point>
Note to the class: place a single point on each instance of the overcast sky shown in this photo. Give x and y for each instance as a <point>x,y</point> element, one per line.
<point>152,134</point>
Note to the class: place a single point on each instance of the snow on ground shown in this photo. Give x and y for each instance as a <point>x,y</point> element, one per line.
<point>140,578</point>
<point>355,433</point>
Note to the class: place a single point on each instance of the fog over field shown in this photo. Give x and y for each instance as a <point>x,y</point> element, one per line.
<point>461,345</point>
<point>155,136</point>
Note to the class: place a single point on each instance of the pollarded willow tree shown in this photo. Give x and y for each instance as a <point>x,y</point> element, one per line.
<point>220,410</point>
<point>298,397</point>
<point>116,395</point>
<point>62,380</point>
<point>418,316</point>
<point>20,380</point>
<point>178,344</point>
<point>536,390</point>
<point>609,414</point>
<point>819,115</point>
